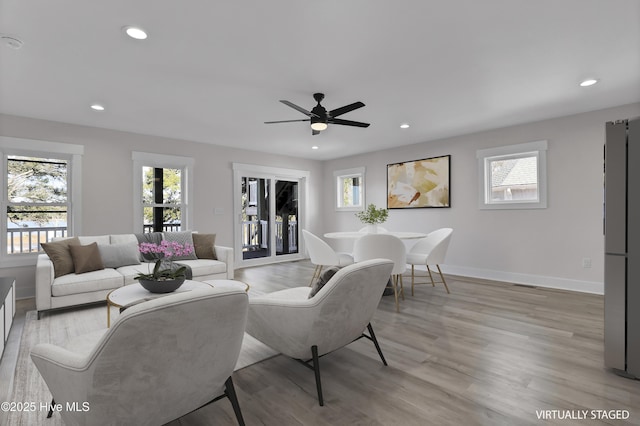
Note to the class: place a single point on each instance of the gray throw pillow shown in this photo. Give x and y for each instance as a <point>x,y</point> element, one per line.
<point>150,237</point>
<point>117,255</point>
<point>182,238</point>
<point>322,280</point>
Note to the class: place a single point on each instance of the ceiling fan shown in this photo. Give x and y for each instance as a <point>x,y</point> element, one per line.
<point>320,118</point>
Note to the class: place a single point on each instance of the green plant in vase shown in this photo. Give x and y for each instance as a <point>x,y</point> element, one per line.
<point>372,216</point>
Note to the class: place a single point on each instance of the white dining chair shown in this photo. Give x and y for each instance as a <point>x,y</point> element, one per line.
<point>430,251</point>
<point>322,254</point>
<point>384,246</point>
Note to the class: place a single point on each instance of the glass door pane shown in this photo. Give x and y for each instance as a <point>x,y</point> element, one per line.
<point>286,228</point>
<point>255,218</point>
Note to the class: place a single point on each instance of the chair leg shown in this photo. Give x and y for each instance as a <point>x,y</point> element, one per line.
<point>401,286</point>
<point>230,391</point>
<point>316,370</point>
<point>443,281</point>
<point>375,342</point>
<point>433,284</point>
<point>413,277</point>
<point>316,274</point>
<point>394,284</point>
<point>50,413</point>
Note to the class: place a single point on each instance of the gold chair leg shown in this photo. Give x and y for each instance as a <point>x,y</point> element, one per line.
<point>413,278</point>
<point>433,284</point>
<point>443,281</point>
<point>401,286</point>
<point>394,283</point>
<point>316,274</point>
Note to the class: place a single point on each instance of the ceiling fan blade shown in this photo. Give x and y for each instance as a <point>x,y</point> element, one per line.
<point>297,108</point>
<point>286,121</point>
<point>345,109</point>
<point>348,122</point>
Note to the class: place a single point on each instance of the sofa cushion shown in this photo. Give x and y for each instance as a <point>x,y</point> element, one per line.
<point>60,255</point>
<point>86,258</point>
<point>130,271</point>
<point>184,238</point>
<point>202,267</point>
<point>117,255</point>
<point>90,282</point>
<point>204,245</point>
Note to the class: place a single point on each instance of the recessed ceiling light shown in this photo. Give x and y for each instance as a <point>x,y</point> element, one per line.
<point>135,32</point>
<point>97,107</point>
<point>314,147</point>
<point>588,82</point>
<point>404,126</point>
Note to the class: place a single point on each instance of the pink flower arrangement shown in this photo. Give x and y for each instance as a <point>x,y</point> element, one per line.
<point>164,253</point>
<point>166,249</point>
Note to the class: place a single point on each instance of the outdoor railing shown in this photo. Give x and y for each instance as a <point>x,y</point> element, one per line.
<point>255,235</point>
<point>166,227</point>
<point>27,240</point>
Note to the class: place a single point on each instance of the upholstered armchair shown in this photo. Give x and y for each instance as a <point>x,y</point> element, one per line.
<point>161,360</point>
<point>306,328</point>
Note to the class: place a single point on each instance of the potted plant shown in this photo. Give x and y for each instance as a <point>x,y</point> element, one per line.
<point>166,276</point>
<point>372,216</point>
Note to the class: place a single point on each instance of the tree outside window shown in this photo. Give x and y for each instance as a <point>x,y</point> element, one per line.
<point>162,199</point>
<point>37,201</point>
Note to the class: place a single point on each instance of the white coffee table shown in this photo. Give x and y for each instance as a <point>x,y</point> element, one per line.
<point>132,293</point>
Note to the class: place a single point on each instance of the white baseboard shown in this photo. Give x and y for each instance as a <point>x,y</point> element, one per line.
<point>527,279</point>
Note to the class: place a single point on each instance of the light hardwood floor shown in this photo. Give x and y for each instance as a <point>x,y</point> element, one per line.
<point>486,354</point>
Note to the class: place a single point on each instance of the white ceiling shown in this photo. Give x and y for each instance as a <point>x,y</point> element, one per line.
<point>213,71</point>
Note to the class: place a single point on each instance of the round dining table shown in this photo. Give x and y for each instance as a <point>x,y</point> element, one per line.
<point>353,235</point>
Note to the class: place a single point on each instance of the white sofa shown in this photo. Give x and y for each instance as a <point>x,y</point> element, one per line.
<point>90,287</point>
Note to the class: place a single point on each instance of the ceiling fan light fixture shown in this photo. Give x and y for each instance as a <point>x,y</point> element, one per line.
<point>318,125</point>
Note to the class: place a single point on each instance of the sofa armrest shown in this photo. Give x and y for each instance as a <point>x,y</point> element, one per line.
<point>44,281</point>
<point>225,254</point>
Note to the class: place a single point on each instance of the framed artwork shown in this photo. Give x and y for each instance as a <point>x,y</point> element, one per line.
<point>419,183</point>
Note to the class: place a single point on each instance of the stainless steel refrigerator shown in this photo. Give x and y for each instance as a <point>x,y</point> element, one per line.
<point>622,247</point>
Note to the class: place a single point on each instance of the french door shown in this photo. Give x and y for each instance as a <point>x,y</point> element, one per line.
<point>268,207</point>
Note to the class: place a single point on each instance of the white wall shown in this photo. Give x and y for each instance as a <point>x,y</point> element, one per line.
<point>107,193</point>
<point>540,247</point>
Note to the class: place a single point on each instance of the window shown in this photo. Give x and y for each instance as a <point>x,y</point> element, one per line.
<point>513,177</point>
<point>161,192</point>
<point>39,186</point>
<point>350,189</point>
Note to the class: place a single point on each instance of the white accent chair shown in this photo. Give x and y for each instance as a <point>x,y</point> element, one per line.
<point>161,360</point>
<point>385,246</point>
<point>306,328</point>
<point>430,250</point>
<point>322,254</point>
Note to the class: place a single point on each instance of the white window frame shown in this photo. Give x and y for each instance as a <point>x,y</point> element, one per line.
<point>184,164</point>
<point>42,149</point>
<point>339,176</point>
<point>529,149</point>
